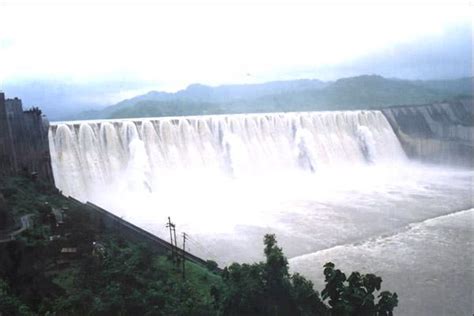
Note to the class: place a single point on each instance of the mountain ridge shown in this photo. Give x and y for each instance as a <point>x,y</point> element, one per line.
<point>351,93</point>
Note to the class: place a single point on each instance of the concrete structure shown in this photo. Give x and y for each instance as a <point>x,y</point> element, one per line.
<point>23,140</point>
<point>441,133</point>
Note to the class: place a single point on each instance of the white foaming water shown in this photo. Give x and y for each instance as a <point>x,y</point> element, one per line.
<point>147,151</point>
<point>317,180</point>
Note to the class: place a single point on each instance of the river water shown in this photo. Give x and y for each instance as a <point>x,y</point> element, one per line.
<point>333,186</point>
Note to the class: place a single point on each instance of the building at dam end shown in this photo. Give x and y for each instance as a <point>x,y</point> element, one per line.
<point>23,140</point>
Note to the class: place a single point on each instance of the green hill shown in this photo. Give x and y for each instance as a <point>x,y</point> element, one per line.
<point>361,92</point>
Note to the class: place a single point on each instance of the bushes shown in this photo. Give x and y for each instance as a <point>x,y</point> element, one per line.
<point>267,288</point>
<point>130,280</point>
<point>9,303</point>
<point>355,295</point>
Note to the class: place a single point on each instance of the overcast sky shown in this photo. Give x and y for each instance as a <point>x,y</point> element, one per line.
<point>128,49</point>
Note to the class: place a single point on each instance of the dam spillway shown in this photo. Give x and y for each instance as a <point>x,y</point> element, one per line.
<point>88,154</point>
<point>356,188</point>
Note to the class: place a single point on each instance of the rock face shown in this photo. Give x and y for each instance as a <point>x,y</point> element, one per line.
<point>438,133</point>
<point>23,140</point>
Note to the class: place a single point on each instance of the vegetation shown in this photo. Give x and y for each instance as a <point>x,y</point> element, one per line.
<point>267,288</point>
<point>114,276</point>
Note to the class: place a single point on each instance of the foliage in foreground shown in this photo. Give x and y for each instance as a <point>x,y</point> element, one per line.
<point>130,279</point>
<point>267,288</point>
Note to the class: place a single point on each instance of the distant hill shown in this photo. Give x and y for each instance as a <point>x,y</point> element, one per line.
<point>361,92</point>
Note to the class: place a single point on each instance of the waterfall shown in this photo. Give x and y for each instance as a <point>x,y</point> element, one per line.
<point>333,186</point>
<point>137,153</point>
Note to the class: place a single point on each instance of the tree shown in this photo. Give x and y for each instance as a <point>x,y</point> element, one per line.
<point>266,288</point>
<point>355,295</point>
<point>306,299</point>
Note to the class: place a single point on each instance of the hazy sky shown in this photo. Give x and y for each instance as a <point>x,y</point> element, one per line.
<point>69,55</point>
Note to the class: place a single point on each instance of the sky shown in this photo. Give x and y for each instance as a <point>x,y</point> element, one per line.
<point>130,47</point>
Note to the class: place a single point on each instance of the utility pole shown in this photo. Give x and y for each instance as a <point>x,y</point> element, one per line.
<point>184,253</point>
<point>174,245</point>
<point>175,240</point>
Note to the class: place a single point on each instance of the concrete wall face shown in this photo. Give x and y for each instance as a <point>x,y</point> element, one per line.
<point>438,133</point>
<point>6,159</point>
<point>23,140</point>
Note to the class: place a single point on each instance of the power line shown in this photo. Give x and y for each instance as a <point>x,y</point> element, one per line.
<point>175,250</point>
<point>202,247</point>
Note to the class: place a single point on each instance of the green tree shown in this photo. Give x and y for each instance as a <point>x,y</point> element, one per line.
<point>266,288</point>
<point>355,295</point>
<point>306,299</point>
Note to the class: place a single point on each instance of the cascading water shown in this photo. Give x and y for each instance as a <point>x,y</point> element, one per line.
<point>333,186</point>
<point>88,154</point>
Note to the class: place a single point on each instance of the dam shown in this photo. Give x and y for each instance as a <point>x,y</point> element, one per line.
<point>387,192</point>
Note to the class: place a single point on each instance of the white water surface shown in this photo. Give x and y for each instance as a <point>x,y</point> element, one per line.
<point>333,186</point>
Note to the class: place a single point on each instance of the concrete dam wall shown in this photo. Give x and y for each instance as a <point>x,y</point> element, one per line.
<point>441,133</point>
<point>23,140</point>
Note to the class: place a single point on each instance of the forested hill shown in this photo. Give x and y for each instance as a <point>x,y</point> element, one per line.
<point>362,92</point>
